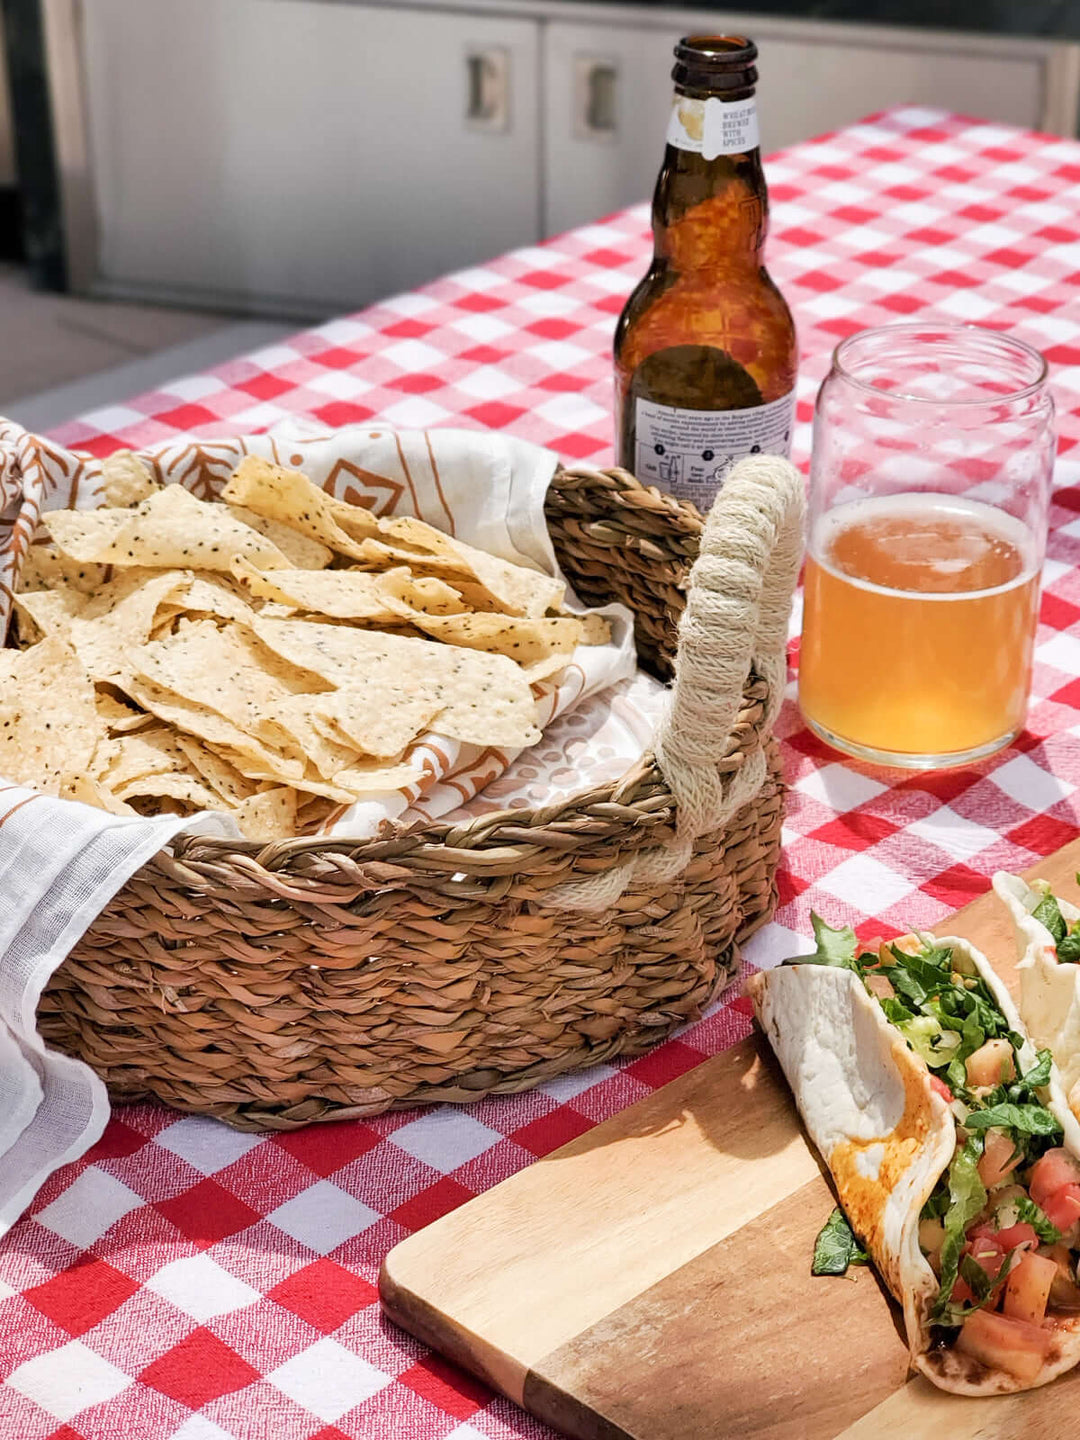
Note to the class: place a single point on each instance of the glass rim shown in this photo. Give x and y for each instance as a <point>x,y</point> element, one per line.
<point>947,327</point>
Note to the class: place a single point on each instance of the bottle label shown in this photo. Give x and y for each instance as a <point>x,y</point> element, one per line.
<point>689,452</point>
<point>713,127</point>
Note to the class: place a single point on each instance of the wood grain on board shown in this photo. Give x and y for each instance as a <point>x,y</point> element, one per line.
<point>651,1280</point>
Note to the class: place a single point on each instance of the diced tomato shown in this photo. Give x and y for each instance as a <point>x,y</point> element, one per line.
<point>936,1083</point>
<point>987,1252</point>
<point>1005,1343</point>
<point>1028,1287</point>
<point>1051,1172</point>
<point>1063,1207</point>
<point>881,986</point>
<point>1017,1235</point>
<point>999,1158</point>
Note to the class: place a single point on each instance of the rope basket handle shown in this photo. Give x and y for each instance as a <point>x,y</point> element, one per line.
<point>736,616</point>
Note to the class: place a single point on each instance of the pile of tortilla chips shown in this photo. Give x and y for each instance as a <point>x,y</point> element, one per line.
<point>276,654</point>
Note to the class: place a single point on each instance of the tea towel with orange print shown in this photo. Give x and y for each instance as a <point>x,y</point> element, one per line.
<point>61,862</point>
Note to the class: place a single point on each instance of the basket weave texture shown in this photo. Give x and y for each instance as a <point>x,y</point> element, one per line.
<point>318,979</point>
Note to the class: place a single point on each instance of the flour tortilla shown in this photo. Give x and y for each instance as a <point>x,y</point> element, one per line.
<point>887,1136</point>
<point>1049,991</point>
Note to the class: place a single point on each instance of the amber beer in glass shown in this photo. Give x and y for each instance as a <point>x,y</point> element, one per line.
<point>705,353</point>
<point>930,477</point>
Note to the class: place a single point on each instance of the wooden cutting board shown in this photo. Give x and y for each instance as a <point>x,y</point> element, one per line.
<point>651,1280</point>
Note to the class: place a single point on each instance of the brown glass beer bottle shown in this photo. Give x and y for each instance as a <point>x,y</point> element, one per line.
<point>705,351</point>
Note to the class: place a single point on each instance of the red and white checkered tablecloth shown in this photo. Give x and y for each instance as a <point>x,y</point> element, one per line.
<point>184,1282</point>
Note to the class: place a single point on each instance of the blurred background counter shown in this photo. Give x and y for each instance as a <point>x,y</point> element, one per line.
<point>293,158</point>
<point>183,181</point>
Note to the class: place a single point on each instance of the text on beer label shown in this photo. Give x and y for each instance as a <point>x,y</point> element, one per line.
<point>713,127</point>
<point>689,452</point>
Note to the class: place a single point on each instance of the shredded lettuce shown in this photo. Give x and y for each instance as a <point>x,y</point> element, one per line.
<point>1018,1119</point>
<point>836,1247</point>
<point>1031,1214</point>
<point>832,947</point>
<point>1039,1074</point>
<point>967,1196</point>
<point>1048,913</point>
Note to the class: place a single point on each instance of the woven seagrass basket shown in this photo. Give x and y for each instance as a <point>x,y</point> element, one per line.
<point>272,986</point>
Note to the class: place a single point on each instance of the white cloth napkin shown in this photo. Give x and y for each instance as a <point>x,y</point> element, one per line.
<point>60,865</point>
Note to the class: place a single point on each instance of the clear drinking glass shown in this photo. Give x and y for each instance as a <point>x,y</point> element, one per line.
<point>929,484</point>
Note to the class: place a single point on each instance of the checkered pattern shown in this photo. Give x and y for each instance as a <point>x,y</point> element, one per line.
<point>183,1282</point>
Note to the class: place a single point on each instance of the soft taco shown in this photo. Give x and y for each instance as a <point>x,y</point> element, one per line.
<point>952,1149</point>
<point>1048,943</point>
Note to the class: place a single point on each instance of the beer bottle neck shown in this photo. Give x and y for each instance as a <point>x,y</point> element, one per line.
<point>710,207</point>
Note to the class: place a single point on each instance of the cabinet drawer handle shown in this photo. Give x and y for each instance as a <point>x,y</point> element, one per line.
<point>596,93</point>
<point>487,89</point>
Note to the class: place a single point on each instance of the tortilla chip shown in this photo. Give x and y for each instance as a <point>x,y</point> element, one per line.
<point>242,751</point>
<point>174,785</point>
<point>118,716</point>
<point>343,594</point>
<point>224,670</point>
<point>46,567</point>
<point>299,550</point>
<point>126,479</point>
<point>423,593</point>
<point>348,716</point>
<point>359,782</point>
<point>290,498</point>
<point>541,670</point>
<point>89,791</point>
<point>362,780</point>
<point>170,530</point>
<point>269,815</point>
<point>83,535</point>
<point>49,724</point>
<point>498,584</point>
<point>51,611</point>
<point>524,640</point>
<point>119,619</point>
<point>288,727</point>
<point>484,699</point>
<point>214,594</point>
<point>314,812</point>
<point>233,787</point>
<point>153,751</point>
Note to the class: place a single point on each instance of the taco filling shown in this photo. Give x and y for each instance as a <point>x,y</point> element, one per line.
<point>1001,1227</point>
<point>1049,911</point>
<point>1048,947</point>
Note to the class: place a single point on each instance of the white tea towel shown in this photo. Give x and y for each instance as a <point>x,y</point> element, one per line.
<point>60,865</point>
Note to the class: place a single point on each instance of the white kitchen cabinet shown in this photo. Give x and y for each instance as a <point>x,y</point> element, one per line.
<point>303,157</point>
<point>814,77</point>
<point>297,157</point>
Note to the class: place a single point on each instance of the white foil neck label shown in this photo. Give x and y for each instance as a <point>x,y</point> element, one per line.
<point>713,127</point>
